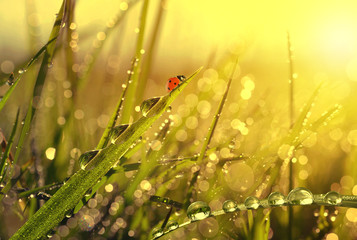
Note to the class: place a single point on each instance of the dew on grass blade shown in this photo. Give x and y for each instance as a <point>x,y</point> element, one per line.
<point>300,196</point>
<point>147,104</point>
<point>276,199</point>
<point>117,131</point>
<point>333,198</point>
<point>229,206</point>
<point>157,232</point>
<point>86,157</point>
<point>22,70</point>
<point>172,225</point>
<point>10,80</point>
<point>198,210</point>
<point>251,202</point>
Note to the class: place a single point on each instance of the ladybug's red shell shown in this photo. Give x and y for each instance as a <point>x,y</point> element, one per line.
<point>174,82</point>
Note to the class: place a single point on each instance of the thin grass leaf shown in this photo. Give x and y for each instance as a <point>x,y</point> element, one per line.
<point>105,136</point>
<point>21,72</point>
<point>304,115</point>
<point>147,166</point>
<point>291,95</point>
<point>6,153</point>
<point>82,81</point>
<point>132,97</point>
<point>149,54</point>
<point>209,137</point>
<point>25,193</point>
<point>67,197</point>
<point>114,170</point>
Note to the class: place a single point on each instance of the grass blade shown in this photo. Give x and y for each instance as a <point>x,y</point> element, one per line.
<point>7,151</point>
<point>105,136</point>
<point>209,136</point>
<point>132,97</point>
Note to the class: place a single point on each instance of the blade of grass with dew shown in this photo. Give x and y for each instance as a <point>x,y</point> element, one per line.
<point>147,166</point>
<point>51,186</point>
<point>291,166</point>
<point>6,153</point>
<point>82,81</point>
<point>105,136</point>
<point>21,72</point>
<point>149,54</point>
<point>209,136</point>
<point>133,86</point>
<point>304,115</point>
<point>117,169</point>
<point>67,197</point>
<point>50,48</point>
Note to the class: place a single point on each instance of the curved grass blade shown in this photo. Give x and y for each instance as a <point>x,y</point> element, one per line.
<point>105,136</point>
<point>149,54</point>
<point>209,136</point>
<point>96,50</point>
<point>6,153</point>
<point>22,71</point>
<point>133,87</point>
<point>67,197</point>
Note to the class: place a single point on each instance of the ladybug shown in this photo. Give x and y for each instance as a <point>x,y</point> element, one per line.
<point>174,82</point>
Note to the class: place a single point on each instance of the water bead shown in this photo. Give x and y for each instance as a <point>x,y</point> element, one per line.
<point>157,232</point>
<point>86,157</point>
<point>300,196</point>
<point>251,202</point>
<point>333,198</point>
<point>198,210</point>
<point>276,199</point>
<point>172,225</point>
<point>147,104</point>
<point>117,131</point>
<point>229,206</point>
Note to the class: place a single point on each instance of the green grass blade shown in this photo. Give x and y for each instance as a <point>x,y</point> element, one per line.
<point>6,153</point>
<point>132,97</point>
<point>67,197</point>
<point>209,136</point>
<point>82,81</point>
<point>149,54</point>
<point>22,71</point>
<point>304,115</point>
<point>105,136</point>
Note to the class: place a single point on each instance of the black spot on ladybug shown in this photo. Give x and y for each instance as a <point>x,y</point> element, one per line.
<point>169,80</point>
<point>175,83</point>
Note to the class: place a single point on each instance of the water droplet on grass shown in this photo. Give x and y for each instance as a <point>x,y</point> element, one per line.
<point>229,206</point>
<point>198,210</point>
<point>10,80</point>
<point>117,131</point>
<point>333,198</point>
<point>276,199</point>
<point>251,202</point>
<point>172,225</point>
<point>147,104</point>
<point>86,157</point>
<point>21,71</point>
<point>157,232</point>
<point>300,196</point>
